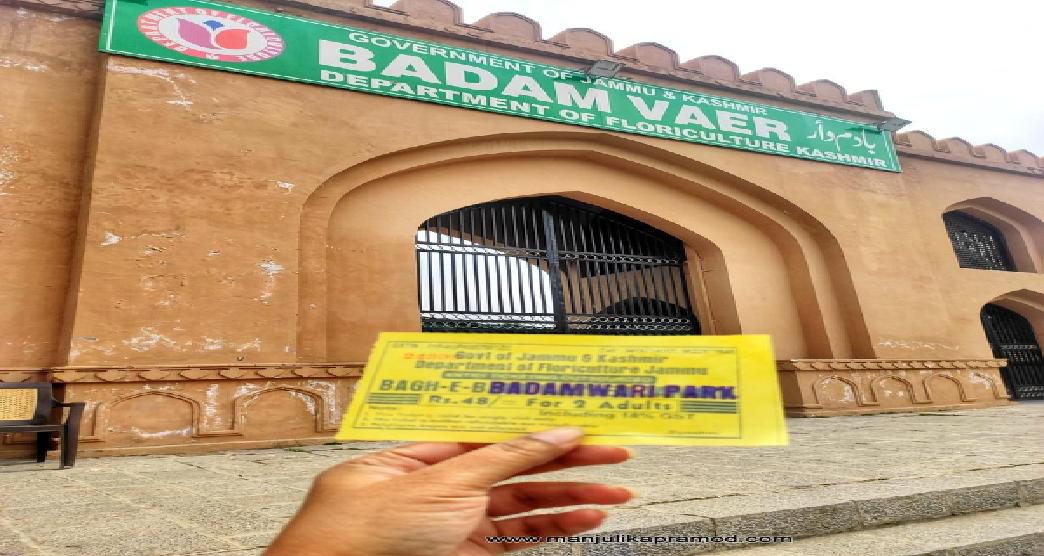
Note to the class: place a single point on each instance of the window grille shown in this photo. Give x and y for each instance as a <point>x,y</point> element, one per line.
<point>976,243</point>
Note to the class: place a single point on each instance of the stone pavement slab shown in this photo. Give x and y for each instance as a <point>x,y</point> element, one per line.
<point>840,471</point>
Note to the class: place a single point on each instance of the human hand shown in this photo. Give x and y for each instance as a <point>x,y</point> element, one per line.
<point>441,499</point>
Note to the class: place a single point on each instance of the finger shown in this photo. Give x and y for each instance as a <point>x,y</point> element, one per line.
<point>482,468</point>
<point>413,457</point>
<point>431,453</point>
<point>523,497</point>
<point>401,460</point>
<point>582,456</point>
<point>564,524</point>
<point>410,457</point>
<point>434,452</point>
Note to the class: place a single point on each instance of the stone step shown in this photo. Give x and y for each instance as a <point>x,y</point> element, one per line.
<point>1011,532</point>
<point>818,511</point>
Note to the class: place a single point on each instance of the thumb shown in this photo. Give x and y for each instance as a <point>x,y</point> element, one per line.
<point>481,469</point>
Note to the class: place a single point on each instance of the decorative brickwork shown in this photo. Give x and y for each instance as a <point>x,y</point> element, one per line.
<point>209,406</point>
<point>814,387</point>
<point>174,373</point>
<point>199,407</point>
<point>24,375</point>
<point>205,407</point>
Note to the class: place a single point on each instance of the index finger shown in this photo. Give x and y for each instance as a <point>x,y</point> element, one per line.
<point>582,456</point>
<point>434,452</point>
<point>431,453</point>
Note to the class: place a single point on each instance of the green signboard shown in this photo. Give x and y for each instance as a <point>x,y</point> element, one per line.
<point>243,40</point>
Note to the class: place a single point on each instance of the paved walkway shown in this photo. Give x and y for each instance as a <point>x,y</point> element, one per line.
<point>234,502</point>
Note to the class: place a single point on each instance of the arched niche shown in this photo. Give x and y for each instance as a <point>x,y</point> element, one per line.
<point>277,411</point>
<point>764,265</point>
<point>150,417</point>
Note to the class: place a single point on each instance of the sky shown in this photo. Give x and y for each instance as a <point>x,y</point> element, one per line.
<point>968,69</point>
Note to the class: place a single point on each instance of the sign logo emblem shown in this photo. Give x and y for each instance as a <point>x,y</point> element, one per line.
<point>210,34</point>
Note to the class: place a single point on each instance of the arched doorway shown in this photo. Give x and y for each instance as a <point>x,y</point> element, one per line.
<point>1012,337</point>
<point>550,265</point>
<point>764,266</point>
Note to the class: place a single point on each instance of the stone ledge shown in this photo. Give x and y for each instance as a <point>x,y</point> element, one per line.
<point>886,364</point>
<point>25,374</point>
<point>176,373</point>
<point>811,387</point>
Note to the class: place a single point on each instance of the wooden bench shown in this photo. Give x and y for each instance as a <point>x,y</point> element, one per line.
<point>28,407</point>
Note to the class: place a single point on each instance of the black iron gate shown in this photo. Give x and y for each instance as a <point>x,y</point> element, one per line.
<point>550,265</point>
<point>1011,337</point>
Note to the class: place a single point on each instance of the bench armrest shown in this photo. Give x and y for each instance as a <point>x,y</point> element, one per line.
<point>75,410</point>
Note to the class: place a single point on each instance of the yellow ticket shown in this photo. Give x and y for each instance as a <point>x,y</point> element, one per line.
<point>685,390</point>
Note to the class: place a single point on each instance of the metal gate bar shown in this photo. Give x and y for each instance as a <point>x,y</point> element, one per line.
<point>550,264</point>
<point>1012,337</point>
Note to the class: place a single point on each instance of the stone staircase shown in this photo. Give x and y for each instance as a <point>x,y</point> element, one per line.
<point>1009,532</point>
<point>997,511</point>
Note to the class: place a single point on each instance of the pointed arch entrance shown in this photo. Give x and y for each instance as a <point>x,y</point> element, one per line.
<point>553,265</point>
<point>757,263</point>
<point>1012,337</point>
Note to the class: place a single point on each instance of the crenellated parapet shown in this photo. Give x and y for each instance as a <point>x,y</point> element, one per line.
<point>653,58</point>
<point>645,59</point>
<point>650,58</point>
<point>582,45</point>
<point>957,150</point>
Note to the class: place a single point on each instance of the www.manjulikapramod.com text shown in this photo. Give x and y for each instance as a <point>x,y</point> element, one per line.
<point>640,539</point>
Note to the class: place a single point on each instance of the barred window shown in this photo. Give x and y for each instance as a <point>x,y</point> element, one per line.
<point>976,243</point>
